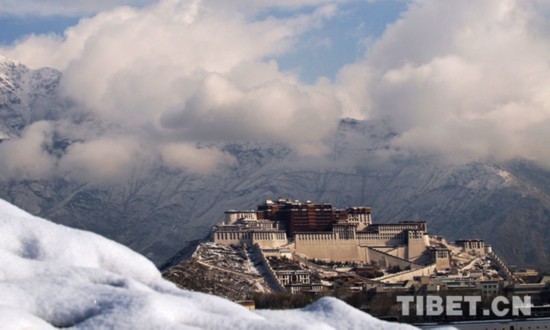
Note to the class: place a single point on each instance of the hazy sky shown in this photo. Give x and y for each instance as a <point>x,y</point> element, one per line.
<point>170,80</point>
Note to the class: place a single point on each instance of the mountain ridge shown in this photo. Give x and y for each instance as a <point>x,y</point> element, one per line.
<point>159,211</point>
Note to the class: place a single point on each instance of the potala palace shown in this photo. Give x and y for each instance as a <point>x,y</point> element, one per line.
<point>319,231</point>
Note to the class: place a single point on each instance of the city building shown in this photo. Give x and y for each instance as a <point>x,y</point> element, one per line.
<point>476,246</point>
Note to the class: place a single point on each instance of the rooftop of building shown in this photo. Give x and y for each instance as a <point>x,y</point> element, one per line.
<point>287,201</point>
<point>240,211</point>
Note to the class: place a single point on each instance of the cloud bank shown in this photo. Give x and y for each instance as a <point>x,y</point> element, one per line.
<point>175,75</point>
<point>174,79</point>
<point>466,80</point>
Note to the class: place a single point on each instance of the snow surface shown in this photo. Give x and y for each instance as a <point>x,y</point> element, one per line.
<point>54,276</point>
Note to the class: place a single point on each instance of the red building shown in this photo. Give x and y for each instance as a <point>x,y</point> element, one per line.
<point>296,216</point>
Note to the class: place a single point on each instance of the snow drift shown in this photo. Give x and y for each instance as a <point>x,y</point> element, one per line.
<point>54,276</point>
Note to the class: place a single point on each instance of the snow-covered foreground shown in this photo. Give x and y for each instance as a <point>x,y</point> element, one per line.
<point>54,276</point>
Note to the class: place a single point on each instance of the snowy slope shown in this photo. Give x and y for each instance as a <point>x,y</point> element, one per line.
<point>53,276</point>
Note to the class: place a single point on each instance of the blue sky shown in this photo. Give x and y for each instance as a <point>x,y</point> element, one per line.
<point>342,40</point>
<point>15,27</point>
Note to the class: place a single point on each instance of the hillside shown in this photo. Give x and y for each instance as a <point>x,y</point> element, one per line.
<point>229,272</point>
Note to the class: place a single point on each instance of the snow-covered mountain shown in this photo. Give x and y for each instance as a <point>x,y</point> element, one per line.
<point>159,211</point>
<point>53,276</point>
<point>26,96</point>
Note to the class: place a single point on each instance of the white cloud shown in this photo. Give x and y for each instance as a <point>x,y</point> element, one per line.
<point>467,80</point>
<point>278,110</point>
<point>183,72</point>
<point>191,158</point>
<point>353,90</point>
<point>103,159</point>
<point>184,35</point>
<point>86,7</point>
<point>28,157</point>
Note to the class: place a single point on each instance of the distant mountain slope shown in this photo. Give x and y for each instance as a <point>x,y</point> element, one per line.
<point>160,211</point>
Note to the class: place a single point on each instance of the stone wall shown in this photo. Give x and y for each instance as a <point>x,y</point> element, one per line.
<point>270,276</point>
<point>328,246</point>
<point>415,244</point>
<point>269,239</point>
<point>333,252</point>
<point>407,275</point>
<point>381,239</point>
<point>386,260</point>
